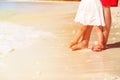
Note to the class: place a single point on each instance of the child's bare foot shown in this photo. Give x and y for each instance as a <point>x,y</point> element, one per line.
<point>79,46</point>
<point>98,48</point>
<point>72,44</point>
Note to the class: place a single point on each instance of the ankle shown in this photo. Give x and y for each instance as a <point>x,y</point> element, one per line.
<point>85,42</point>
<point>74,42</point>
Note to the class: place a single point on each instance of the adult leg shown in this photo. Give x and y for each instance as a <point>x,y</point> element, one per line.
<point>106,29</point>
<point>108,19</point>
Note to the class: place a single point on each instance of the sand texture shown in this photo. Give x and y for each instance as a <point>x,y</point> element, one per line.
<point>34,40</point>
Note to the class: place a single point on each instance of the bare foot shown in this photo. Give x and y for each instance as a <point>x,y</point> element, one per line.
<point>72,44</point>
<point>98,48</point>
<point>79,46</point>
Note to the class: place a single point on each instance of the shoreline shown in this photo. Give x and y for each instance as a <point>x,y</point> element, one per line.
<point>44,31</point>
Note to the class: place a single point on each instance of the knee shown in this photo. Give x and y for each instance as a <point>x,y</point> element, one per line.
<point>98,29</point>
<point>83,28</point>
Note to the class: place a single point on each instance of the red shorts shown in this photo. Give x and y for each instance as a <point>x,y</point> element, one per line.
<point>111,3</point>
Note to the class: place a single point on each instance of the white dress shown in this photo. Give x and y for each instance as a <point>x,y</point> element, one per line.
<point>90,12</point>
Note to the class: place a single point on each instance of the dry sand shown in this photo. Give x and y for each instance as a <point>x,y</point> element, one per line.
<point>34,44</point>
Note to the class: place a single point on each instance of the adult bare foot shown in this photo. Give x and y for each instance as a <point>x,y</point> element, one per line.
<point>98,48</point>
<point>80,46</point>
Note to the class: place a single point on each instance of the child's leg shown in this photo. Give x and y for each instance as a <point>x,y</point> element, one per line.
<point>106,29</point>
<point>85,40</point>
<point>78,35</point>
<point>99,46</point>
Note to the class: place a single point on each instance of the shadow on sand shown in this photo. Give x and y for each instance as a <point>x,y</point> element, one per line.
<point>114,45</point>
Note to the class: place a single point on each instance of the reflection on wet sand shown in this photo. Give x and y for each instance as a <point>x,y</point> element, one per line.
<point>39,33</point>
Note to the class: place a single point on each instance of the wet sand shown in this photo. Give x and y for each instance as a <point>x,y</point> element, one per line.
<point>41,51</point>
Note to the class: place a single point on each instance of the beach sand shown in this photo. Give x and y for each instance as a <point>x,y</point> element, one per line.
<point>34,44</point>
